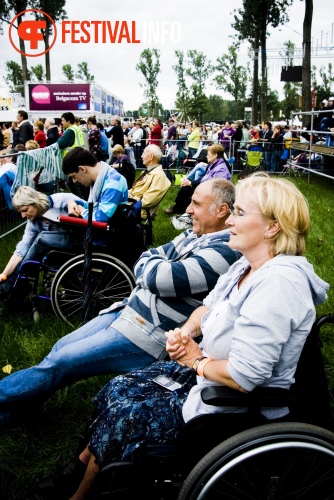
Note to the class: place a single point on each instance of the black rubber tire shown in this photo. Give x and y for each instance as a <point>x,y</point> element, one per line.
<point>112,281</point>
<point>287,461</point>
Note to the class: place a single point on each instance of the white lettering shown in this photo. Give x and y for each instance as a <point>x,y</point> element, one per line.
<point>40,95</point>
<point>161,32</point>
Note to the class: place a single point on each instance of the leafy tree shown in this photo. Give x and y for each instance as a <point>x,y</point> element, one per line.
<point>252,23</point>
<point>55,9</point>
<point>327,82</point>
<point>199,104</point>
<point>273,104</point>
<point>199,70</point>
<point>68,72</point>
<point>183,101</point>
<point>37,73</point>
<point>83,73</point>
<point>14,77</point>
<point>149,66</point>
<point>144,111</point>
<point>291,98</point>
<point>233,81</point>
<point>220,109</point>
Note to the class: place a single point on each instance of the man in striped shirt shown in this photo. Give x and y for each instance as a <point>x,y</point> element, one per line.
<point>171,281</point>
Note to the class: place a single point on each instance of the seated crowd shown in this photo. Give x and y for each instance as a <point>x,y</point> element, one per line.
<point>219,281</point>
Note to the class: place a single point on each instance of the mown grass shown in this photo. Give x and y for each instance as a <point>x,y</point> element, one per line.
<point>50,435</point>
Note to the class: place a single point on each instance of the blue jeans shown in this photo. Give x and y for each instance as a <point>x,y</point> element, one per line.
<point>94,349</point>
<point>326,123</point>
<point>51,240</point>
<point>197,172</point>
<point>45,241</point>
<point>267,159</point>
<point>191,152</point>
<point>275,164</point>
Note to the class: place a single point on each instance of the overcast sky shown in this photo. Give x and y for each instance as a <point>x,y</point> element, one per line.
<point>204,26</point>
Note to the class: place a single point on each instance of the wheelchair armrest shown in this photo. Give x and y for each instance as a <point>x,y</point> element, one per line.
<point>82,222</point>
<point>260,396</point>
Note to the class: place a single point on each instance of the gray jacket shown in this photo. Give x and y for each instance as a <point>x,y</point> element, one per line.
<point>261,328</point>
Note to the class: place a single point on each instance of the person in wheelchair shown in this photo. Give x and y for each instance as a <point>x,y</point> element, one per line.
<point>108,188</point>
<point>253,325</point>
<point>32,205</point>
<point>171,282</point>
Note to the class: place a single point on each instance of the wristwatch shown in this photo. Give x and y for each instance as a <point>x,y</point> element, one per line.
<point>197,362</point>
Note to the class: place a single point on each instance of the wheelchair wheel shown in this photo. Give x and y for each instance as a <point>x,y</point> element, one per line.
<point>111,281</point>
<point>287,461</point>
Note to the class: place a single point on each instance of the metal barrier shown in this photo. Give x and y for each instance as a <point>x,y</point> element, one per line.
<point>40,169</point>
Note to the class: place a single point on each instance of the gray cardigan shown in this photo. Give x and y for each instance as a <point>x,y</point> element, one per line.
<point>261,328</point>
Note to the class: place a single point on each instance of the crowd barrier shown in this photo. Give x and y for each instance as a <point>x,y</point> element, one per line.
<point>38,168</point>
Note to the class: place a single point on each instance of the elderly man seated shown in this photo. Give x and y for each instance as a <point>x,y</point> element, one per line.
<point>151,186</point>
<point>171,281</point>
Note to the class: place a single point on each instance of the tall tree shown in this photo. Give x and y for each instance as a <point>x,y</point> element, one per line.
<point>14,77</point>
<point>306,69</point>
<point>252,22</point>
<point>55,9</point>
<point>232,78</point>
<point>199,70</point>
<point>183,100</point>
<point>83,72</point>
<point>199,104</point>
<point>149,66</point>
<point>68,72</point>
<point>37,73</point>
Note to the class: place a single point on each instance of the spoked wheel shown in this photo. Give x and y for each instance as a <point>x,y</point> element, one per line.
<point>287,461</point>
<point>111,281</point>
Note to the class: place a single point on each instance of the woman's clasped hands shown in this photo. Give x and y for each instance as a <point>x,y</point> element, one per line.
<point>181,347</point>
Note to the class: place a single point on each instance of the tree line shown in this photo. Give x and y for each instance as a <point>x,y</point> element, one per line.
<point>194,70</point>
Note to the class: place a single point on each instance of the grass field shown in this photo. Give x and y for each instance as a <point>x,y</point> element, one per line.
<point>50,435</point>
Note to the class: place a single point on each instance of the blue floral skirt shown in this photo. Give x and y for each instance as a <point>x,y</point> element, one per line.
<point>132,410</point>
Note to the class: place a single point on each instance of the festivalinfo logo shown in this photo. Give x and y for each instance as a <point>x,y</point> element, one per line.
<point>32,32</point>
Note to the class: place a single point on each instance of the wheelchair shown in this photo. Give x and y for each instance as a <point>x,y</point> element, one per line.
<point>61,274</point>
<point>242,456</point>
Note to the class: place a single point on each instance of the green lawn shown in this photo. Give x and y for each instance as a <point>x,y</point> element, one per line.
<point>30,450</point>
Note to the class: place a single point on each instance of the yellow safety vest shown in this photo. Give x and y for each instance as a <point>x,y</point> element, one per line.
<point>78,139</point>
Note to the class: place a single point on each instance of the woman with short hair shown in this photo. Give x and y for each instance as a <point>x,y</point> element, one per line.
<point>32,205</point>
<point>39,135</point>
<point>123,165</point>
<point>216,167</point>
